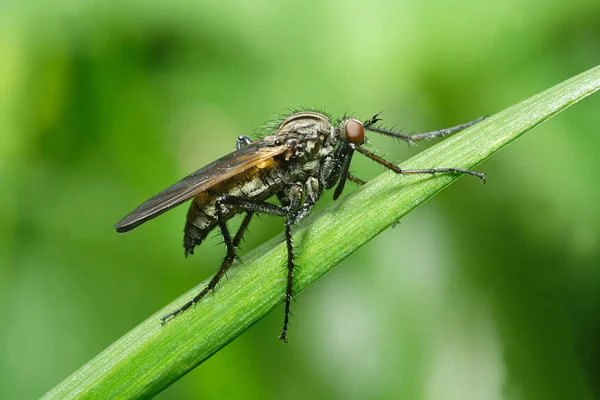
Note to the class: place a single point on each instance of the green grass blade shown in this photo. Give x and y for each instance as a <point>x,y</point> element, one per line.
<point>152,357</point>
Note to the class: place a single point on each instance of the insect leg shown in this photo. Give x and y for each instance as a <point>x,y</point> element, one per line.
<point>336,169</point>
<point>242,141</point>
<point>446,131</point>
<point>331,166</point>
<point>312,191</point>
<point>356,180</point>
<point>251,207</point>
<point>293,198</point>
<point>290,277</point>
<point>343,174</point>
<point>240,233</point>
<point>370,126</point>
<point>430,171</point>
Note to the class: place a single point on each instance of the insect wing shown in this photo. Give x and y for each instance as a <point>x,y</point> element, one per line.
<point>214,173</point>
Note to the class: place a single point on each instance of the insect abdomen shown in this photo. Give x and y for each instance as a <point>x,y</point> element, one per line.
<point>258,183</point>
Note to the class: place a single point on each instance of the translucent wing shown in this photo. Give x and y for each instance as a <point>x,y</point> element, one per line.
<point>214,173</point>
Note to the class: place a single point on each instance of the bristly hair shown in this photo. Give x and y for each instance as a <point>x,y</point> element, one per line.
<point>343,117</point>
<point>273,123</point>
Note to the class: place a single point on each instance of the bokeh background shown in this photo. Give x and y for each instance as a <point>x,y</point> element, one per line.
<point>485,292</point>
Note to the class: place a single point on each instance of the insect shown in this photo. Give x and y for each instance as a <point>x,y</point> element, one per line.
<point>303,155</point>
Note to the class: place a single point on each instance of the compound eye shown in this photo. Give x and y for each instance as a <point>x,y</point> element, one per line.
<point>355,133</point>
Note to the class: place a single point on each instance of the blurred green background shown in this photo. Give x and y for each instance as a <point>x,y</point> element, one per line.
<point>485,292</point>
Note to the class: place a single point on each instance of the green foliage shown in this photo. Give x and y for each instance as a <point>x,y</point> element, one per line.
<point>485,292</point>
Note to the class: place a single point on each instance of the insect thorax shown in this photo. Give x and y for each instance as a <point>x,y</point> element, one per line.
<point>311,137</point>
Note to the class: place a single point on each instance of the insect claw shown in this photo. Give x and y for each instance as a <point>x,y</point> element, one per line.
<point>376,118</point>
<point>165,318</point>
<point>373,120</point>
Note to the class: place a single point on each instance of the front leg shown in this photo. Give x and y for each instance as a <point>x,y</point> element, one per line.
<point>371,125</point>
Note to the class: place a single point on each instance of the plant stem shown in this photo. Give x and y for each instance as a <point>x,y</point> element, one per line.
<point>152,357</point>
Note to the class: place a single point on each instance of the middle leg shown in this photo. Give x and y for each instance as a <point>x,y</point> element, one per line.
<point>291,264</point>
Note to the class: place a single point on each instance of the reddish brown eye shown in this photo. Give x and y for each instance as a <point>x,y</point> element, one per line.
<point>355,133</point>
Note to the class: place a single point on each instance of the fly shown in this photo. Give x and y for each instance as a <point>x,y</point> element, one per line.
<point>307,153</point>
